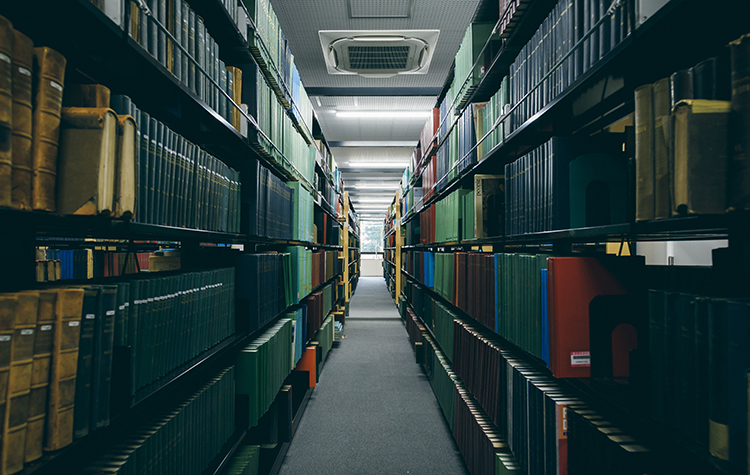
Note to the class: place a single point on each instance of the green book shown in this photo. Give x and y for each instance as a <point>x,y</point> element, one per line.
<point>84,374</point>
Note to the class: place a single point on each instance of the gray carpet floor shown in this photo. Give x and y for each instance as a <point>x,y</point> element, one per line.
<point>373,410</point>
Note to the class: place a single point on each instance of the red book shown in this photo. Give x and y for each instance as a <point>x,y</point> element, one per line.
<point>572,282</point>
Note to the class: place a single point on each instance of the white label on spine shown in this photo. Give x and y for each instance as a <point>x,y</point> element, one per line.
<point>90,316</point>
<point>24,71</point>
<point>110,313</point>
<point>580,359</point>
<point>5,58</point>
<point>56,86</point>
<point>45,328</point>
<point>27,331</point>
<point>74,324</point>
<point>4,337</point>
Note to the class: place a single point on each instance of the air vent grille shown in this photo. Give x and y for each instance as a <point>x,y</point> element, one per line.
<point>378,57</point>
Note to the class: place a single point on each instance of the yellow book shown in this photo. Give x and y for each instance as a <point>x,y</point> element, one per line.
<point>62,384</point>
<point>236,93</point>
<point>45,325</point>
<point>49,74</point>
<point>86,95</point>
<point>19,385</point>
<point>6,109</point>
<point>86,175</point>
<point>125,167</point>
<point>23,57</point>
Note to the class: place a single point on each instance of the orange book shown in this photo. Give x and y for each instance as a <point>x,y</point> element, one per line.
<point>572,282</point>
<point>309,362</point>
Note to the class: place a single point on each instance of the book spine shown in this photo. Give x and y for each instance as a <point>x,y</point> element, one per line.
<point>644,153</point>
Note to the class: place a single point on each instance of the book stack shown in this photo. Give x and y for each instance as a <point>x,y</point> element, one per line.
<point>442,378</point>
<point>302,218</point>
<point>245,461</point>
<point>568,22</point>
<point>476,274</point>
<point>178,38</point>
<point>708,337</point>
<point>264,288</point>
<point>152,447</point>
<point>547,189</point>
<point>263,365</point>
<point>319,304</point>
<point>429,131</point>
<point>324,336</point>
<point>415,329</point>
<point>680,121</point>
<point>196,307</point>
<point>90,263</point>
<point>267,203</point>
<point>477,34</point>
<point>445,264</point>
<point>497,107</point>
<point>302,273</point>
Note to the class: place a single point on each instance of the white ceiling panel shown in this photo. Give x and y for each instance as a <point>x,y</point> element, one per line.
<point>301,19</point>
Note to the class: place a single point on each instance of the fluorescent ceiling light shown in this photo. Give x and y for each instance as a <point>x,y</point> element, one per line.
<point>398,165</point>
<point>382,114</point>
<point>388,186</point>
<point>385,200</point>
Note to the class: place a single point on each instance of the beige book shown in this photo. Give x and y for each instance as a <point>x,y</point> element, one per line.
<point>49,74</point>
<point>23,58</point>
<point>40,371</point>
<point>125,167</point>
<point>19,384</point>
<point>62,384</point>
<point>86,175</point>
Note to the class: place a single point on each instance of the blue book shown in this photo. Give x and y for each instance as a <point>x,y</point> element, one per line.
<point>545,319</point>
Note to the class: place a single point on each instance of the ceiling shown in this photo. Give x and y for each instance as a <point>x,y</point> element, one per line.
<point>367,139</point>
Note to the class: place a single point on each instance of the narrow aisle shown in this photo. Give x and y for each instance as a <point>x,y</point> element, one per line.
<point>373,411</point>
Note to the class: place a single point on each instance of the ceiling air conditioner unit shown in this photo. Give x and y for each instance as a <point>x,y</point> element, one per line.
<point>378,53</point>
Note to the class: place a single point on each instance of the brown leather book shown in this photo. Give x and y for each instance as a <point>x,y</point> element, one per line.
<point>88,146</point>
<point>49,77</point>
<point>19,384</point>
<point>700,156</point>
<point>125,167</point>
<point>37,411</point>
<point>644,154</point>
<point>6,109</point>
<point>661,150</point>
<point>86,95</point>
<point>63,368</point>
<point>23,57</point>
<point>8,304</point>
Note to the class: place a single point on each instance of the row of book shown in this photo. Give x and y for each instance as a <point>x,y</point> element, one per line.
<point>303,223</point>
<point>699,358</point>
<point>534,79</point>
<point>473,45</point>
<point>318,305</point>
<point>691,132</point>
<point>28,161</point>
<point>267,203</point>
<point>89,263</point>
<point>152,447</point>
<point>415,330</point>
<point>491,127</point>
<point>177,37</point>
<point>327,229</point>
<point>263,365</point>
<point>264,287</point>
<point>547,313</point>
<point>245,461</point>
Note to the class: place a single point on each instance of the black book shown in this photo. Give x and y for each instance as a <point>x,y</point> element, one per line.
<point>89,315</point>
<point>102,362</point>
<point>712,79</point>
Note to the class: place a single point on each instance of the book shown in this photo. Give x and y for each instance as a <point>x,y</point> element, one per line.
<point>88,146</point>
<point>61,400</point>
<point>49,77</point>
<point>644,153</point>
<point>23,54</point>
<point>40,374</point>
<point>700,156</point>
<point>6,110</point>
<point>19,382</point>
<point>739,163</point>
<point>101,380</point>
<point>90,313</point>
<point>661,143</point>
<point>125,167</point>
<point>8,304</point>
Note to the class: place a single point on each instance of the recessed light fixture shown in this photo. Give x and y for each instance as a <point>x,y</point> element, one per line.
<point>373,200</point>
<point>385,186</point>
<point>382,114</point>
<point>397,165</point>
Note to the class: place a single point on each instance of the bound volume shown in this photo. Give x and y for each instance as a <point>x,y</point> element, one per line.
<point>62,385</point>
<point>6,109</point>
<point>23,54</point>
<point>88,143</point>
<point>49,76</point>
